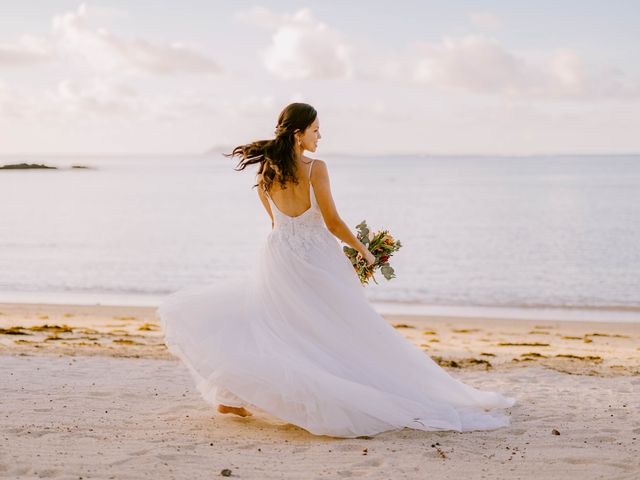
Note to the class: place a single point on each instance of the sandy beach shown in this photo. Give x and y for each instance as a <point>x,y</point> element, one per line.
<point>92,392</point>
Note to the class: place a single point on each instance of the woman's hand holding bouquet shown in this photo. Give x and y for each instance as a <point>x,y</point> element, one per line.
<point>381,246</point>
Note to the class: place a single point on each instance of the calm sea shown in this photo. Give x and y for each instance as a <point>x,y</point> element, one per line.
<point>538,231</point>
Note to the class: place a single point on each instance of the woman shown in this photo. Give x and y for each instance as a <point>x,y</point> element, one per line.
<point>298,338</point>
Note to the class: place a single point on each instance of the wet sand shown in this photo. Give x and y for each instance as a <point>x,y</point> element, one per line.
<point>593,348</point>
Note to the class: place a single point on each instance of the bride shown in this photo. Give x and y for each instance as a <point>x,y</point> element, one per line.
<point>297,338</point>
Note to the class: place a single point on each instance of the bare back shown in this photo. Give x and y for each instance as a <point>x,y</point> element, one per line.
<point>295,199</point>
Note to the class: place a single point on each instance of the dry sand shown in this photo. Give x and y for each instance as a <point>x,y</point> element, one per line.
<point>91,392</point>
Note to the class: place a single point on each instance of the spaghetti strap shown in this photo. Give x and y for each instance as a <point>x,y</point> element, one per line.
<point>310,167</point>
<point>311,186</point>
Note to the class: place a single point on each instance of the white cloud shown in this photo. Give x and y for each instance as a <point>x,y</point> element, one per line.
<point>472,63</point>
<point>305,48</point>
<point>74,38</point>
<point>301,46</point>
<point>26,51</point>
<point>103,51</point>
<point>485,20</point>
<point>480,65</point>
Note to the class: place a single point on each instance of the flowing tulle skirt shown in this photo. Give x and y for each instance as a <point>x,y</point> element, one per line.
<point>298,339</point>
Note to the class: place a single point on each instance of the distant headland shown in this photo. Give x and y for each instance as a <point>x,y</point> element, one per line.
<point>17,166</point>
<point>26,166</point>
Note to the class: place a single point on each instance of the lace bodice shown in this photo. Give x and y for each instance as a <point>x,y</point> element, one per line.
<point>302,231</point>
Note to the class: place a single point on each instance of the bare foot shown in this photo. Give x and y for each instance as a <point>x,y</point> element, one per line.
<point>235,410</point>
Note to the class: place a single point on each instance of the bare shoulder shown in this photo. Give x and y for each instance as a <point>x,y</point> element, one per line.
<point>319,168</point>
<point>317,162</point>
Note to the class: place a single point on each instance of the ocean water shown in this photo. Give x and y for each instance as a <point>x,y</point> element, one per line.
<point>537,231</point>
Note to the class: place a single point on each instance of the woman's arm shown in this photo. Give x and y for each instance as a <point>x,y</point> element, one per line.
<point>335,224</point>
<point>265,203</point>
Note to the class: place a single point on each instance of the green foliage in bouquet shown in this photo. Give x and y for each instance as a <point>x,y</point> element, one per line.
<point>381,244</point>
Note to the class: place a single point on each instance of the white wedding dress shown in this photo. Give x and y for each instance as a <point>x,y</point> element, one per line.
<point>298,339</point>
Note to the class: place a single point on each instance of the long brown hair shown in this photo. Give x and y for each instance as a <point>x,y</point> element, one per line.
<point>276,156</point>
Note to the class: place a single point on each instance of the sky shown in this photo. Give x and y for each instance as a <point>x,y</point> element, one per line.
<point>402,77</point>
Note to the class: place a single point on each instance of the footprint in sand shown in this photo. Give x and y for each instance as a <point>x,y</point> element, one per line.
<point>249,446</point>
<point>349,447</point>
<point>169,457</point>
<point>40,433</point>
<point>603,438</point>
<point>370,462</point>
<point>137,453</point>
<point>578,460</point>
<point>99,394</point>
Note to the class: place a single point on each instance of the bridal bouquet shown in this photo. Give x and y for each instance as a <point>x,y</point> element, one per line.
<point>381,244</point>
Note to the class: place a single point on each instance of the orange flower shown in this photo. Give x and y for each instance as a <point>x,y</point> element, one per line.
<point>388,239</point>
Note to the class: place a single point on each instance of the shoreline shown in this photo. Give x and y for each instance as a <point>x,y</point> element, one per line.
<point>594,313</point>
<point>456,342</point>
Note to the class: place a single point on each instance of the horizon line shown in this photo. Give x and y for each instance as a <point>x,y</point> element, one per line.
<point>332,154</point>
